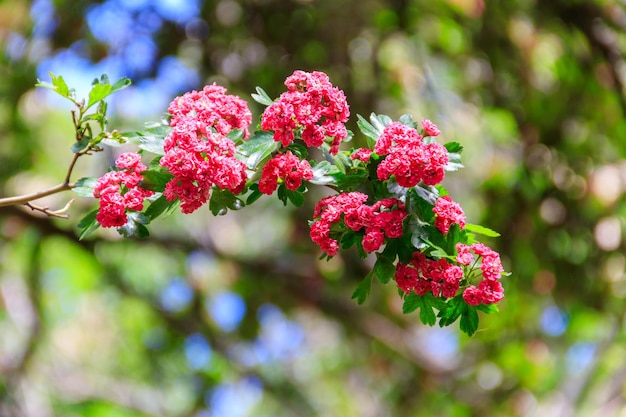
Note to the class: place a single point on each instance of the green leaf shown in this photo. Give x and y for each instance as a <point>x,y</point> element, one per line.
<point>296,197</point>
<point>120,84</point>
<point>81,145</point>
<point>88,224</point>
<point>426,303</point>
<point>262,97</point>
<point>451,311</point>
<point>160,206</point>
<point>488,308</point>
<point>380,121</point>
<point>349,239</point>
<point>85,186</point>
<point>428,193</point>
<point>257,149</point>
<point>469,320</point>
<point>363,290</point>
<point>368,130</point>
<point>384,269</point>
<point>98,92</point>
<point>407,120</point>
<point>134,228</point>
<point>155,180</point>
<point>454,147</point>
<point>58,86</point>
<point>236,135</point>
<point>150,140</point>
<point>323,173</point>
<point>222,200</point>
<point>454,162</point>
<point>254,195</point>
<point>481,230</point>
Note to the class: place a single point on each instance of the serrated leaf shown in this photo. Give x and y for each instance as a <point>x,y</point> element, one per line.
<point>454,162</point>
<point>380,121</point>
<point>159,206</point>
<point>362,291</point>
<point>469,320</point>
<point>407,120</point>
<point>451,311</point>
<point>481,230</point>
<point>384,269</point>
<point>88,223</point>
<point>120,84</point>
<point>254,195</point>
<point>236,135</point>
<point>426,303</point>
<point>155,180</point>
<point>488,308</point>
<point>453,147</point>
<point>428,193</point>
<point>58,85</point>
<point>262,97</point>
<point>85,186</point>
<point>222,200</point>
<point>98,92</point>
<point>368,130</point>
<point>296,197</point>
<point>257,149</point>
<point>323,173</point>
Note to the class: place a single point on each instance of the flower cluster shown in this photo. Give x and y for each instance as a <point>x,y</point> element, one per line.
<point>288,167</point>
<point>211,107</point>
<point>489,290</point>
<point>197,152</point>
<point>408,157</point>
<point>423,275</point>
<point>311,105</point>
<point>448,212</point>
<point>119,191</point>
<point>383,219</point>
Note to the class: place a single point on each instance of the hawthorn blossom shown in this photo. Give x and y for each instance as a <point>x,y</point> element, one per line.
<point>422,275</point>
<point>287,167</point>
<point>429,128</point>
<point>311,105</point>
<point>489,290</point>
<point>408,158</point>
<point>212,107</point>
<point>382,220</point>
<point>119,191</point>
<point>197,152</point>
<point>448,212</point>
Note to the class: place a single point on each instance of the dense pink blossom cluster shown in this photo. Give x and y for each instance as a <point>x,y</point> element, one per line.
<point>197,152</point>
<point>448,212</point>
<point>408,157</point>
<point>285,166</point>
<point>312,104</point>
<point>423,275</point>
<point>119,191</point>
<point>489,290</point>
<point>383,219</point>
<point>212,107</point>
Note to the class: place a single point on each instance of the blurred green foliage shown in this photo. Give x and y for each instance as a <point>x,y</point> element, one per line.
<point>534,91</point>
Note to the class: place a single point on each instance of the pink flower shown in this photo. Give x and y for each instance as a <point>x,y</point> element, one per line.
<point>119,191</point>
<point>472,296</point>
<point>383,219</point>
<point>197,152</point>
<point>448,212</point>
<point>430,129</point>
<point>212,107</point>
<point>311,105</point>
<point>362,154</point>
<point>408,158</point>
<point>285,166</point>
<point>438,277</point>
<point>463,257</point>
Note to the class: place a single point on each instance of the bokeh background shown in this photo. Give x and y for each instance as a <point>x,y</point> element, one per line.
<point>234,316</point>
